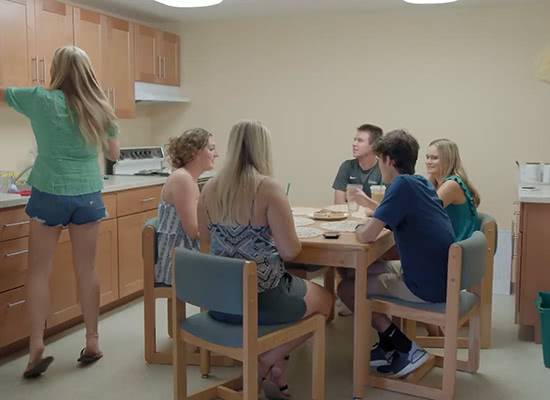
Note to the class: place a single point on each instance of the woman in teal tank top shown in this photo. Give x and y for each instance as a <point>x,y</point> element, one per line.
<point>70,120</point>
<point>458,195</point>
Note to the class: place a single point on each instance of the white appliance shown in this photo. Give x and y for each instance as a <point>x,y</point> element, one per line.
<point>530,173</point>
<point>153,93</point>
<point>139,161</point>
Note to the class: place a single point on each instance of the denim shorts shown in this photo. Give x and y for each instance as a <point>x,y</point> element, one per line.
<point>61,210</point>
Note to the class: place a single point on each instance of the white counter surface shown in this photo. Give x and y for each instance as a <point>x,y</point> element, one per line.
<point>111,184</point>
<point>531,193</point>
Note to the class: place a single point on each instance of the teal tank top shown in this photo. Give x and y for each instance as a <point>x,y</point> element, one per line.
<point>463,216</point>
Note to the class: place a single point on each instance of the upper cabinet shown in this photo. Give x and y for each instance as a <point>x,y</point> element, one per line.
<point>157,56</point>
<point>54,28</point>
<point>109,42</point>
<point>18,64</point>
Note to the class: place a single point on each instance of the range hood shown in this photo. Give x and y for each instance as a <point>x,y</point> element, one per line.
<point>153,93</point>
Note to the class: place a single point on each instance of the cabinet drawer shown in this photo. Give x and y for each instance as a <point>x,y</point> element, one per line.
<point>109,200</point>
<point>14,318</point>
<point>14,223</point>
<point>13,263</point>
<point>138,200</point>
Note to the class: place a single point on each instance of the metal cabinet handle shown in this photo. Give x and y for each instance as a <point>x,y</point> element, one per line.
<point>43,61</point>
<point>148,199</point>
<point>35,69</point>
<point>16,303</point>
<point>17,253</point>
<point>164,67</point>
<point>16,224</point>
<point>114,98</point>
<point>160,66</point>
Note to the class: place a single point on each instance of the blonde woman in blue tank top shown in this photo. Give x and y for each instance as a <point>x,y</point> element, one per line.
<point>190,154</point>
<point>460,198</point>
<point>71,120</point>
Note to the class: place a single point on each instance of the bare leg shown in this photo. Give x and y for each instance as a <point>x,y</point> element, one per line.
<point>42,243</point>
<point>318,300</point>
<point>84,242</point>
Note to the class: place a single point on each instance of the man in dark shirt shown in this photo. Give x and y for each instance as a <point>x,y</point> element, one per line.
<point>363,168</point>
<point>423,234</point>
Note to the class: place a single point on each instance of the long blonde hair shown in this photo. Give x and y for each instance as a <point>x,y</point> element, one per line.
<point>248,160</point>
<point>451,164</point>
<point>72,73</point>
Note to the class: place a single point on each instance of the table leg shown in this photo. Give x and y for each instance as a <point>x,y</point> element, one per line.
<point>361,357</point>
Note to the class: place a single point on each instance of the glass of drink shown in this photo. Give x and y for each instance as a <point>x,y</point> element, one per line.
<point>352,204</point>
<point>5,180</point>
<point>377,192</point>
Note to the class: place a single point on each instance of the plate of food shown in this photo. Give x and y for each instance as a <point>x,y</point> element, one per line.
<point>329,215</point>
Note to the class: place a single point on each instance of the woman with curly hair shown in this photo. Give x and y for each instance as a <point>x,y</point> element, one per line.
<point>191,154</point>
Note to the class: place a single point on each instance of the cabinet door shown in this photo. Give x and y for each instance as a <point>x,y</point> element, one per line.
<point>119,62</point>
<point>107,261</point>
<point>534,274</point>
<point>64,295</point>
<point>14,317</point>
<point>130,261</point>
<point>170,50</point>
<point>89,35</point>
<point>54,28</point>
<point>147,54</point>
<point>18,63</point>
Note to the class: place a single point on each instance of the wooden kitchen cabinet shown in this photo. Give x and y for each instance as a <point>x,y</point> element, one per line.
<point>18,63</point>
<point>157,56</point>
<point>533,262</point>
<point>14,317</point>
<point>90,36</point>
<point>63,292</point>
<point>119,66</point>
<point>130,261</point>
<point>54,28</point>
<point>107,261</point>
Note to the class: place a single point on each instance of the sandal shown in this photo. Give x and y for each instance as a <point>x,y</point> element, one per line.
<point>34,371</point>
<point>86,359</point>
<point>272,391</point>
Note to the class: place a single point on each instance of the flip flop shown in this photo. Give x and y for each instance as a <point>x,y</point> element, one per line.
<point>38,368</point>
<point>86,359</point>
<point>271,390</point>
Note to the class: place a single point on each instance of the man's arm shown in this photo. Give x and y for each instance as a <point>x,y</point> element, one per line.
<point>370,231</point>
<point>339,197</point>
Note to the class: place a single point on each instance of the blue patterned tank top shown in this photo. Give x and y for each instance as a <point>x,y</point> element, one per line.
<point>170,234</point>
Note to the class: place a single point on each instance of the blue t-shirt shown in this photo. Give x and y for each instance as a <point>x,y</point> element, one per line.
<point>423,234</point>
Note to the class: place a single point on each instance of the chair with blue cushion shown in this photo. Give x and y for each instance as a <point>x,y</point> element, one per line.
<point>153,291</point>
<point>466,269</point>
<point>229,286</point>
<point>489,228</point>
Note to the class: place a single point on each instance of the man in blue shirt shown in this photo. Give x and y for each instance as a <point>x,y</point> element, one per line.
<point>423,234</point>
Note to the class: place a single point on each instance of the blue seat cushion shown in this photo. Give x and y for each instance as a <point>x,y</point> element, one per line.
<point>203,326</point>
<point>467,302</point>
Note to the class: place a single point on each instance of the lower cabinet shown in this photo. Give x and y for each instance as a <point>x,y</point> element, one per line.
<point>130,261</point>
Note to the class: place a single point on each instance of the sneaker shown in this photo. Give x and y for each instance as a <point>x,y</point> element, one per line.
<point>404,363</point>
<point>379,357</point>
<point>343,310</point>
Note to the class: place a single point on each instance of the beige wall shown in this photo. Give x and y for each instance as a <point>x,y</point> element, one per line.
<point>17,140</point>
<point>466,74</point>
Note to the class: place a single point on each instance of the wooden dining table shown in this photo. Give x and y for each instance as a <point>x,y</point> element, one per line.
<point>347,252</point>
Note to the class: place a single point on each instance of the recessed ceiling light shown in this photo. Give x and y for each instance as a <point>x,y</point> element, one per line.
<point>429,1</point>
<point>189,3</point>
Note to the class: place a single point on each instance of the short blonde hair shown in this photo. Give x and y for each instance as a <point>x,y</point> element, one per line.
<point>248,160</point>
<point>183,149</point>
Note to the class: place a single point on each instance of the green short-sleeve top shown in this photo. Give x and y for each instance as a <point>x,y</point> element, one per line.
<point>65,164</point>
<point>463,216</point>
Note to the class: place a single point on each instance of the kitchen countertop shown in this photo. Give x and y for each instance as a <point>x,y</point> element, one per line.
<point>112,184</point>
<point>538,193</point>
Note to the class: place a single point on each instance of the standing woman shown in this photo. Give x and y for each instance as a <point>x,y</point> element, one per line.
<point>71,120</point>
<point>460,198</point>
